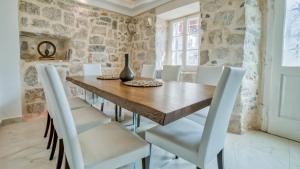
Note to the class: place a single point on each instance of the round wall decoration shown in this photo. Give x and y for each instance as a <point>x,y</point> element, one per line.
<point>46,49</point>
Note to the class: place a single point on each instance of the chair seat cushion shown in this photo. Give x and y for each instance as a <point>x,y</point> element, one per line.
<point>181,137</point>
<point>88,117</point>
<point>111,146</point>
<point>200,116</point>
<point>76,103</point>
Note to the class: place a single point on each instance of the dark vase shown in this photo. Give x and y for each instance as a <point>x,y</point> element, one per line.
<point>126,74</point>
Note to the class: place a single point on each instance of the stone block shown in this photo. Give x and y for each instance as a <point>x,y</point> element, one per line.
<point>35,108</point>
<point>100,30</point>
<point>29,8</point>
<point>114,25</point>
<point>60,29</point>
<point>34,95</point>
<point>96,40</point>
<point>220,53</point>
<point>224,18</point>
<point>111,43</point>
<point>46,1</point>
<point>24,46</point>
<point>81,22</point>
<point>23,21</point>
<point>52,13</point>
<point>40,23</point>
<point>31,76</point>
<point>78,44</point>
<point>236,39</point>
<point>65,6</point>
<point>96,48</point>
<point>82,34</point>
<point>105,19</point>
<point>215,37</point>
<point>113,58</point>
<point>69,19</point>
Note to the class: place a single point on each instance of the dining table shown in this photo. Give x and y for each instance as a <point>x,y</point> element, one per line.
<point>164,104</point>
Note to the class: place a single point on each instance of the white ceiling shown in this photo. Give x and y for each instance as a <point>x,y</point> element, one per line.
<point>127,7</point>
<point>181,11</point>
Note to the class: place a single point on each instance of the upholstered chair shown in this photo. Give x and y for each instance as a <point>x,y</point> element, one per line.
<point>148,71</point>
<point>85,117</point>
<point>106,146</point>
<point>171,73</point>
<point>194,142</point>
<point>92,70</point>
<point>206,75</point>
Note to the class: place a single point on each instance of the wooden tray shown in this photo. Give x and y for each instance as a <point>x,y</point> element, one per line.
<point>143,83</point>
<point>108,77</point>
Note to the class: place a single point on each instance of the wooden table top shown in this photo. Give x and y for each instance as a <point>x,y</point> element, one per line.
<point>164,104</point>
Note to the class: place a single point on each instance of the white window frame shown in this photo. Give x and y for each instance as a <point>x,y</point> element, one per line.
<point>185,67</point>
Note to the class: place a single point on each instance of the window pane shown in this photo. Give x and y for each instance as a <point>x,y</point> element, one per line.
<point>177,58</point>
<point>192,57</point>
<point>291,52</point>
<point>193,25</point>
<point>177,43</point>
<point>178,28</point>
<point>193,42</point>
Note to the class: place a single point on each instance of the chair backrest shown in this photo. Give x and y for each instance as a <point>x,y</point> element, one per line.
<point>64,119</point>
<point>219,114</point>
<point>170,73</point>
<point>209,75</point>
<point>92,69</point>
<point>44,81</point>
<point>42,75</point>
<point>148,71</point>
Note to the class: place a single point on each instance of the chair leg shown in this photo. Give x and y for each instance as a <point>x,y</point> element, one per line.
<point>120,114</point>
<point>66,163</point>
<point>220,160</point>
<point>53,145</point>
<point>146,162</point>
<point>60,154</point>
<point>138,120</point>
<point>102,106</point>
<point>51,134</point>
<point>47,125</point>
<point>116,113</point>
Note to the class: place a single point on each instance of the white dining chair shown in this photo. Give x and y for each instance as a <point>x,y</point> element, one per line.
<point>85,117</point>
<point>106,146</point>
<point>148,71</point>
<point>170,73</point>
<point>206,75</point>
<point>92,70</point>
<point>194,142</point>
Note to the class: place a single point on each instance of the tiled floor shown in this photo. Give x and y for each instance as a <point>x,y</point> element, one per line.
<point>22,147</point>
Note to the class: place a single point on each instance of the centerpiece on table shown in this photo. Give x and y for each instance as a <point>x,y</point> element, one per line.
<point>126,74</point>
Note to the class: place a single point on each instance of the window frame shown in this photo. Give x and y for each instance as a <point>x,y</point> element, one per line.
<point>184,50</point>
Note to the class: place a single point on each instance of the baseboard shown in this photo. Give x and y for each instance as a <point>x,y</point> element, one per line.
<point>11,120</point>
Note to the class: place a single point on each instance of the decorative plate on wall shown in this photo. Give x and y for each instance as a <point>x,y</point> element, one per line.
<point>47,50</point>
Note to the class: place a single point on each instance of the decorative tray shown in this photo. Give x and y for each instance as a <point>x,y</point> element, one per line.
<point>143,83</point>
<point>108,77</point>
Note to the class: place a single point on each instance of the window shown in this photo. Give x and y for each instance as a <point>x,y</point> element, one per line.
<point>184,42</point>
<point>291,52</point>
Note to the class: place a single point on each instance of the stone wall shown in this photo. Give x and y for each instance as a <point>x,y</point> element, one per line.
<point>95,36</point>
<point>161,42</point>
<point>231,36</point>
<point>143,42</point>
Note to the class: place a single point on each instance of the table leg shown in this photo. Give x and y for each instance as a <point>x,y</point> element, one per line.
<point>134,121</point>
